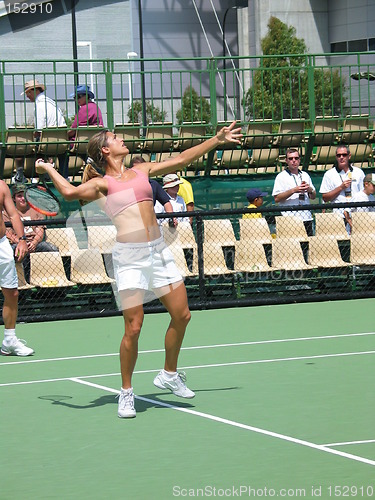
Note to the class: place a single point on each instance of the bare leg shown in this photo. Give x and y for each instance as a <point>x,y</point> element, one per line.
<point>133,318</point>
<point>176,304</point>
<point>10,307</point>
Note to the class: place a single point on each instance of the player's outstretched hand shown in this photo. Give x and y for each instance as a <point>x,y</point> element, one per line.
<point>230,134</point>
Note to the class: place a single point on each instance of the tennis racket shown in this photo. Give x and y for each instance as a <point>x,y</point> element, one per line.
<point>41,198</point>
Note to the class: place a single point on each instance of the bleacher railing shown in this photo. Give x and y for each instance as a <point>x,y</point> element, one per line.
<point>298,90</point>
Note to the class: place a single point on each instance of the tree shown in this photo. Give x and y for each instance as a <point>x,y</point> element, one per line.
<point>153,113</point>
<point>280,86</point>
<point>194,108</point>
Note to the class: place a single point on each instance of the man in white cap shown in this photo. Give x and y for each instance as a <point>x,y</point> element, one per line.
<point>171,184</point>
<point>47,114</point>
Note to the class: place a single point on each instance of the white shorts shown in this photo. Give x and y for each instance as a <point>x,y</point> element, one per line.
<point>8,272</point>
<point>145,266</point>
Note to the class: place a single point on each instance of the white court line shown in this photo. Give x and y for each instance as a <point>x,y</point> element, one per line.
<point>236,424</point>
<point>350,442</point>
<point>213,346</point>
<point>192,367</point>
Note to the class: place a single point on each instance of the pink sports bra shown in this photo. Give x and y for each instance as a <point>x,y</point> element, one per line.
<point>122,195</point>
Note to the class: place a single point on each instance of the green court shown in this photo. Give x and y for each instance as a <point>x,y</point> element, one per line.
<point>284,407</point>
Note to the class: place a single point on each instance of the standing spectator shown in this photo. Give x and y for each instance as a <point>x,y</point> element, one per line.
<point>8,275</point>
<point>88,113</point>
<point>294,187</point>
<point>35,235</point>
<point>47,115</point>
<point>342,181</point>
<point>255,197</point>
<point>366,195</point>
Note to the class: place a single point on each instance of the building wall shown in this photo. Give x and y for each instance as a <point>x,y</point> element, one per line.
<point>107,27</point>
<point>308,17</point>
<point>351,21</point>
<point>172,28</point>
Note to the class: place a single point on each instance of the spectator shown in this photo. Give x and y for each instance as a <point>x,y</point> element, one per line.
<point>255,197</point>
<point>35,235</point>
<point>185,190</point>
<point>88,113</point>
<point>342,181</point>
<point>171,183</point>
<point>366,195</point>
<point>294,187</point>
<point>47,114</point>
<point>158,193</point>
<point>11,346</point>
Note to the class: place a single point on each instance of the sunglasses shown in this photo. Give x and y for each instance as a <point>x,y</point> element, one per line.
<point>341,154</point>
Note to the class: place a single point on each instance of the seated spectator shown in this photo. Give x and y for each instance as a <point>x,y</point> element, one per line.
<point>88,113</point>
<point>171,184</point>
<point>255,197</point>
<point>35,235</point>
<point>185,190</point>
<point>367,194</point>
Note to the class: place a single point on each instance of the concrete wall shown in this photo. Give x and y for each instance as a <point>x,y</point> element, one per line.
<point>308,17</point>
<point>350,20</point>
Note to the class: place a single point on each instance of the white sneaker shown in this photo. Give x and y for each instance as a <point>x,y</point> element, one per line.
<point>126,404</point>
<point>176,384</point>
<point>16,348</point>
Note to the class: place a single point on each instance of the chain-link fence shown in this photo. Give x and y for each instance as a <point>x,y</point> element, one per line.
<point>226,260</point>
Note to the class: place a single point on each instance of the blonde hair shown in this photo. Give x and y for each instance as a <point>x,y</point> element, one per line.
<point>96,162</point>
<point>90,172</point>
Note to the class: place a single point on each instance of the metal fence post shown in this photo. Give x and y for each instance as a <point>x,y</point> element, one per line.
<point>109,94</point>
<point>202,289</point>
<point>2,109</point>
<point>311,90</point>
<point>212,67</point>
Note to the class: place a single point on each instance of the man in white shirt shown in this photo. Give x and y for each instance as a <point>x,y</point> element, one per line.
<point>171,184</point>
<point>47,114</point>
<point>292,186</point>
<point>366,195</point>
<point>342,181</point>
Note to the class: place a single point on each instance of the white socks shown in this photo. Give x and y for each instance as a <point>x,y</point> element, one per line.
<point>169,375</point>
<point>127,391</point>
<point>9,335</point>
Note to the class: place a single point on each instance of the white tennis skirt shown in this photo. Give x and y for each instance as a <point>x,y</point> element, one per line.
<point>145,266</point>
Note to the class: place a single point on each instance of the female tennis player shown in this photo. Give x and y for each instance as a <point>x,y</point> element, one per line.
<point>142,262</point>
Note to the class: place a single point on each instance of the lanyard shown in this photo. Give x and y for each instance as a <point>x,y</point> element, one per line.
<point>294,177</point>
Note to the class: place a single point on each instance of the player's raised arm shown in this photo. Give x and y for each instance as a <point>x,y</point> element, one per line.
<point>227,134</point>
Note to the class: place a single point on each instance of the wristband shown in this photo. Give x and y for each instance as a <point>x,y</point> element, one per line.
<point>22,238</point>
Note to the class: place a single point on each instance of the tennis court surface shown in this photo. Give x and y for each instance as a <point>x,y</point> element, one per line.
<point>284,407</point>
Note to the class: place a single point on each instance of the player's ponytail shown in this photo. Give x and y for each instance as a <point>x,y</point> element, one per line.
<point>91,170</point>
<point>96,162</point>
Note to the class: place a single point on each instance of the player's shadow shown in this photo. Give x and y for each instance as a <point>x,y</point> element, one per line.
<point>156,400</point>
<point>140,404</point>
